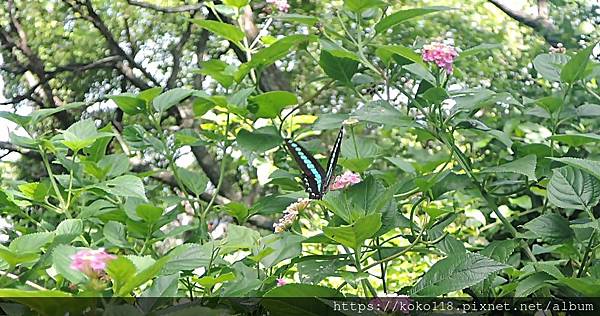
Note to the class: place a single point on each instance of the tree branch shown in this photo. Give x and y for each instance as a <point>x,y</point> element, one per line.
<point>540,23</point>
<point>106,62</point>
<point>113,45</point>
<point>177,52</point>
<point>184,8</point>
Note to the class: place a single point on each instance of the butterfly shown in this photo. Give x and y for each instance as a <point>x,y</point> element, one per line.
<point>316,180</point>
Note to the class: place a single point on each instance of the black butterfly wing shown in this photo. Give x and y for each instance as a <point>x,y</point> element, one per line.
<point>313,174</point>
<point>332,161</point>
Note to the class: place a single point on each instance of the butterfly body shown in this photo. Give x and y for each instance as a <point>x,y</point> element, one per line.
<point>316,180</point>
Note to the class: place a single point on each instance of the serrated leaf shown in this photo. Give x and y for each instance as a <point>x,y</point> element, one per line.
<point>225,30</point>
<point>170,98</point>
<point>31,243</point>
<point>590,166</point>
<point>575,68</point>
<point>550,227</point>
<point>573,188</point>
<point>532,283</point>
<point>550,65</point>
<point>405,15</point>
<point>455,272</point>
<point>576,140</point>
<point>270,104</point>
<point>114,232</point>
<point>259,140</point>
<point>525,166</point>
<point>126,186</point>
<point>339,68</point>
<point>354,235</point>
<point>192,180</point>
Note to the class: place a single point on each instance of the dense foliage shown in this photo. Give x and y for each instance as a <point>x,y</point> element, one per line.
<point>449,187</point>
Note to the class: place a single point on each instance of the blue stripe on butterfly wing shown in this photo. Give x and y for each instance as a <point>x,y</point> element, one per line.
<point>311,169</point>
<point>332,161</point>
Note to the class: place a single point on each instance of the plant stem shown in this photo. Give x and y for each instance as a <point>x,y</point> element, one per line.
<point>51,176</point>
<point>367,287</point>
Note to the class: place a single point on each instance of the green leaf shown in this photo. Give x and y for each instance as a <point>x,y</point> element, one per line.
<point>170,98</point>
<point>188,257</point>
<point>31,243</point>
<point>269,55</point>
<point>284,246</point>
<point>382,112</point>
<point>525,166</point>
<point>68,230</point>
<point>405,15</point>
<point>238,210</point>
<point>120,271</point>
<point>38,115</point>
<point>354,235</point>
<point>573,188</point>
<point>114,232</point>
<point>260,140</point>
<point>240,237</point>
<point>339,68</point>
<point>338,51</point>
<point>550,227</point>
<point>149,213</point>
<point>209,281</point>
<point>588,110</point>
<point>590,166</point>
<point>225,30</point>
<point>61,261</point>
<point>192,180</point>
<point>387,52</point>
<point>575,69</point>
<point>358,6</point>
<point>142,277</point>
<point>218,70</point>
<point>129,104</point>
<point>236,3</point>
<point>82,134</point>
<point>21,120</point>
<point>126,186</point>
<point>551,104</point>
<point>302,290</point>
<point>245,281</point>
<point>329,121</point>
<point>149,94</point>
<point>499,250</point>
<point>164,286</point>
<point>270,104</point>
<point>455,272</point>
<point>550,65</point>
<point>13,258</point>
<point>589,287</point>
<point>275,303</point>
<point>576,140</point>
<point>298,18</point>
<point>532,283</point>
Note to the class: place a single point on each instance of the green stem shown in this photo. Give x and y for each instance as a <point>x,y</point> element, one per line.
<point>221,176</point>
<point>51,176</point>
<point>70,191</point>
<point>367,287</point>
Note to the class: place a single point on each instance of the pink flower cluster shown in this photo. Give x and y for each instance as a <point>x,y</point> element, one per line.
<point>281,282</point>
<point>347,179</point>
<point>91,262</point>
<point>290,214</point>
<point>443,55</point>
<point>281,5</point>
